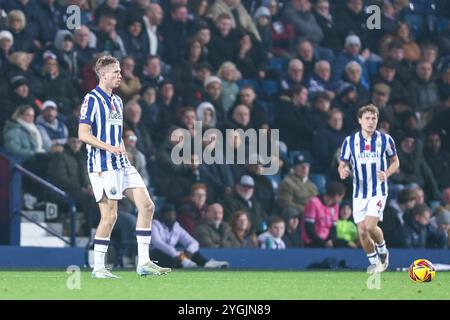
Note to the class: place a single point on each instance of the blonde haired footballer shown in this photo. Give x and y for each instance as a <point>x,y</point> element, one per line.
<point>110,172</point>
<point>368,152</point>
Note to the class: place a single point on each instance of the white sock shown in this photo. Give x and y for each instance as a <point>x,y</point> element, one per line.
<point>143,236</point>
<point>373,257</point>
<point>100,249</point>
<point>381,248</point>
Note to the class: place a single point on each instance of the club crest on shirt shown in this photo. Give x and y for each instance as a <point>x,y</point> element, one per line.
<point>113,191</point>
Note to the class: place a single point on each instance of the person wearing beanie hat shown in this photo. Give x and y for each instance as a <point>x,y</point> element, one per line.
<point>210,80</point>
<point>292,235</point>
<point>6,43</point>
<point>263,23</point>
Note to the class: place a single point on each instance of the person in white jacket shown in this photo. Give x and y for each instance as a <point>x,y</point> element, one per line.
<point>173,246</point>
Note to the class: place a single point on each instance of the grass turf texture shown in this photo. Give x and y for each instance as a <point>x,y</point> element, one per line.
<point>218,285</point>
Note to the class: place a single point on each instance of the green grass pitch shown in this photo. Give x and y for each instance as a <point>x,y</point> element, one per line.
<point>222,285</point>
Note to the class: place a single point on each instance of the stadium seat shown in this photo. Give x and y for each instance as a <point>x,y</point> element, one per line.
<point>278,64</point>
<point>270,88</point>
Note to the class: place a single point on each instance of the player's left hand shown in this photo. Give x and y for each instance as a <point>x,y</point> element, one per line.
<point>381,175</point>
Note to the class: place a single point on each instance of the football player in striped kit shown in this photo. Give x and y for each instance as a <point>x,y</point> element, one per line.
<point>373,159</point>
<point>110,171</point>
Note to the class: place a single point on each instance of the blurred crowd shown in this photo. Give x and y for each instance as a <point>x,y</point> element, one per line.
<point>303,67</point>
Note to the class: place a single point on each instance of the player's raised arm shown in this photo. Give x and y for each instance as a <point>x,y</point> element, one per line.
<point>85,135</point>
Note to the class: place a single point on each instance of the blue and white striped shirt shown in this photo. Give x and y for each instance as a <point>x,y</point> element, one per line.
<point>105,115</point>
<point>367,157</point>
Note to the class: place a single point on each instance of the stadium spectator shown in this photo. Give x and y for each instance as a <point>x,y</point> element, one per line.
<point>437,159</point>
<point>83,49</point>
<point>441,221</point>
<point>423,92</point>
<point>262,18</point>
<point>21,136</point>
<point>380,98</point>
<point>134,37</point>
<point>19,95</point>
<point>417,232</point>
<point>240,19</point>
<point>67,171</point>
<point>213,91</point>
<point>296,189</point>
<point>132,114</point>
<point>130,85</point>
<point>320,80</point>
<point>263,191</point>
<point>351,53</point>
<point>153,18</point>
<point>49,19</point>
<point>326,22</point>
<point>23,39</point>
<point>114,7</point>
<point>242,229</point>
<point>403,35</point>
<point>224,44</point>
<point>293,77</point>
<point>404,68</point>
<point>387,74</point>
<point>21,64</point>
<point>394,213</point>
<point>240,118</point>
<point>327,140</point>
<point>251,59</point>
<point>292,236</point>
<point>53,131</point>
<point>346,230</point>
<point>65,52</point>
<point>243,199</point>
<point>136,158</point>
<point>176,30</point>
<point>320,217</point>
<point>193,209</point>
<point>353,75</point>
<point>273,237</point>
<point>228,74</point>
<point>151,72</point>
<point>206,113</point>
<point>213,232</point>
<point>414,167</point>
<point>351,18</point>
<point>347,101</point>
<point>258,115</point>
<point>309,54</point>
<point>57,86</point>
<point>174,247</point>
<point>320,107</point>
<point>298,13</point>
<point>108,40</point>
<point>294,119</point>
<point>6,44</point>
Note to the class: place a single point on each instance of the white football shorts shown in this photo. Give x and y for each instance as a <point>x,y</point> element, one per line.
<point>368,207</point>
<point>114,182</point>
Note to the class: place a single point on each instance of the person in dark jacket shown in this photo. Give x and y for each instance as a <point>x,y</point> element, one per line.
<point>243,199</point>
<point>213,232</point>
<point>224,44</point>
<point>394,213</point>
<point>294,120</point>
<point>292,235</point>
<point>327,140</point>
<point>414,233</point>
<point>437,159</point>
<point>67,170</point>
<point>298,13</point>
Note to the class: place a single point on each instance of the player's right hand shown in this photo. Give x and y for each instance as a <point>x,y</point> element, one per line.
<point>115,150</point>
<point>344,172</point>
